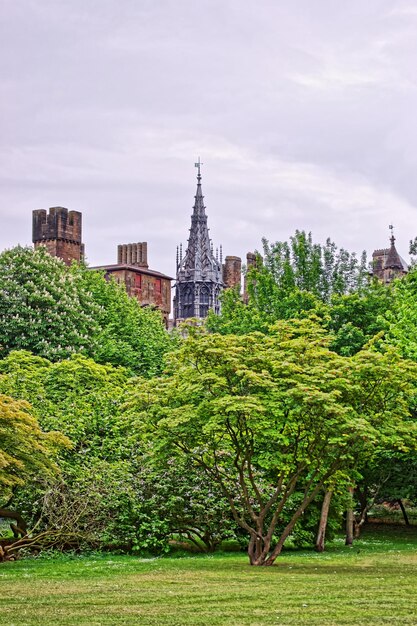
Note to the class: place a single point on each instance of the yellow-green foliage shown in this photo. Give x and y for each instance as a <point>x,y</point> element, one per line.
<point>24,448</point>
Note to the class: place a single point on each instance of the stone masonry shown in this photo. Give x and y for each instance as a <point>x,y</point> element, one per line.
<point>232,271</point>
<point>59,230</point>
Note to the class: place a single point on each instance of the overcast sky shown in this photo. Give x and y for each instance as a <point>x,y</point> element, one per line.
<point>303,113</point>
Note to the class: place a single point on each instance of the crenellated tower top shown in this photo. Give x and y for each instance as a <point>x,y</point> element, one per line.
<point>60,231</point>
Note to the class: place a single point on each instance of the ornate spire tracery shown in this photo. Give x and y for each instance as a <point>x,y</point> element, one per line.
<point>199,273</point>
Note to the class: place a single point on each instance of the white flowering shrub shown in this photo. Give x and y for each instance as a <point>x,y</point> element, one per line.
<point>54,311</point>
<point>41,308</point>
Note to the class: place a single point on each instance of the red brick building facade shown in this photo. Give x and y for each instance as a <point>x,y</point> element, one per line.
<point>151,288</point>
<point>60,231</point>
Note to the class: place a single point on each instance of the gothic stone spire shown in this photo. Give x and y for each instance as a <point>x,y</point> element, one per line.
<point>199,274</point>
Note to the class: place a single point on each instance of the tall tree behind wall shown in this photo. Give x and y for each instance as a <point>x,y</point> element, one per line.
<point>55,311</point>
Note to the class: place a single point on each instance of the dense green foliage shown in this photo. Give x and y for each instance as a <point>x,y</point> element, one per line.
<point>232,431</point>
<point>95,496</point>
<point>322,270</point>
<point>403,321</point>
<point>25,449</point>
<point>267,417</point>
<point>357,317</point>
<point>109,493</point>
<point>302,279</point>
<point>192,506</point>
<point>55,311</point>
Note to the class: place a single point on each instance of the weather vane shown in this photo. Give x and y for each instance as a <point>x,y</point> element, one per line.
<point>198,164</point>
<point>391,227</point>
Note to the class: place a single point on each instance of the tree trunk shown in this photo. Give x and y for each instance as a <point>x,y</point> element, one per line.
<point>404,512</point>
<point>357,524</point>
<point>18,529</point>
<point>321,533</point>
<point>257,546</point>
<point>349,521</point>
<point>363,497</point>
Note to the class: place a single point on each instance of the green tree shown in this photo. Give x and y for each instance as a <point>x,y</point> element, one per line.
<point>77,397</point>
<point>357,317</point>
<point>40,306</point>
<point>25,450</point>
<point>179,492</point>
<point>267,303</point>
<point>129,335</point>
<point>402,320</point>
<point>322,270</point>
<point>55,311</point>
<point>99,498</point>
<point>266,416</point>
<point>293,280</point>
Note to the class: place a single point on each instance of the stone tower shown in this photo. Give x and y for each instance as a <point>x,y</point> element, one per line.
<point>59,231</point>
<point>387,263</point>
<point>232,272</point>
<point>199,273</point>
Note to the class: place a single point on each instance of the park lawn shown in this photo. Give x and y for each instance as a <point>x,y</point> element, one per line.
<point>373,583</point>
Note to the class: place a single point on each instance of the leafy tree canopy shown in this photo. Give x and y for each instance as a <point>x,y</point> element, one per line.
<point>54,311</point>
<point>92,501</point>
<point>25,450</point>
<point>267,415</point>
<point>322,270</point>
<point>40,305</point>
<point>403,320</point>
<point>108,493</point>
<point>301,279</point>
<point>357,317</point>
<point>77,396</point>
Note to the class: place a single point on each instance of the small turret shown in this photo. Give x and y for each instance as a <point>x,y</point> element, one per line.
<point>387,264</point>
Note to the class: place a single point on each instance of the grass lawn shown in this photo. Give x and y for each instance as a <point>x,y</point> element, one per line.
<point>373,583</point>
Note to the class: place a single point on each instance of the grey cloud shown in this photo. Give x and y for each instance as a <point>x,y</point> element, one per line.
<point>302,112</point>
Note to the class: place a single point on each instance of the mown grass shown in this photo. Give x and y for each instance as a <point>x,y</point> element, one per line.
<point>373,583</point>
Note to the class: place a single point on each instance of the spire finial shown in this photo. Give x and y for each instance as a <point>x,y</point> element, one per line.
<point>392,238</point>
<point>198,164</point>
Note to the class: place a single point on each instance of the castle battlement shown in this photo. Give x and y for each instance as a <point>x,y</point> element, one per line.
<point>60,231</point>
